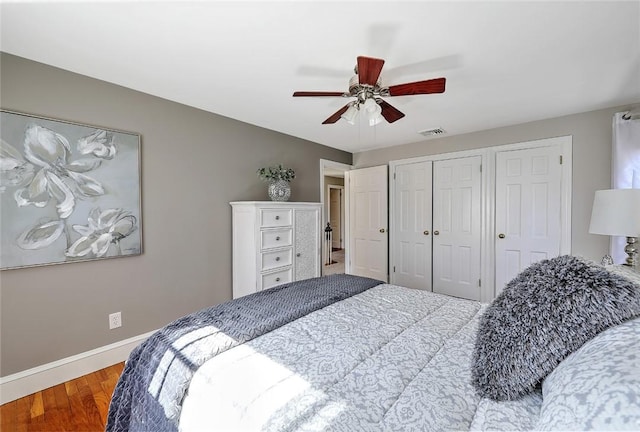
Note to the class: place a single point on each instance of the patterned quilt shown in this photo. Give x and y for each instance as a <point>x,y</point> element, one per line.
<point>339,353</point>
<point>387,359</point>
<point>149,394</point>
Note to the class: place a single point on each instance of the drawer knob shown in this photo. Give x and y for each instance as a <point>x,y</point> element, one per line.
<point>277,279</point>
<point>298,254</point>
<point>278,238</point>
<point>277,258</point>
<point>277,217</point>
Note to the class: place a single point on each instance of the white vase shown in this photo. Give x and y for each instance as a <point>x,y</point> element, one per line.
<point>279,190</point>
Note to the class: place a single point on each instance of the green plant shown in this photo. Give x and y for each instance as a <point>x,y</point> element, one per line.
<point>276,173</point>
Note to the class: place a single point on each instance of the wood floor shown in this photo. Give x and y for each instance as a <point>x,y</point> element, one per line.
<point>80,405</point>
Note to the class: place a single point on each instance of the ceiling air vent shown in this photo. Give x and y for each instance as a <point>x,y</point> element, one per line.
<point>432,132</point>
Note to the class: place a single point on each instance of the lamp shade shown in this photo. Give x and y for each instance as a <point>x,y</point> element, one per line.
<point>373,112</point>
<point>350,114</point>
<point>616,212</point>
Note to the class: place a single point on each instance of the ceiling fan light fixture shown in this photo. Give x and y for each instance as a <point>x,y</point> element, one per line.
<point>374,111</point>
<point>366,87</point>
<point>371,106</point>
<point>350,114</point>
<point>374,119</point>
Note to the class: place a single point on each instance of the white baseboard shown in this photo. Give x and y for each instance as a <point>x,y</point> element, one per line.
<point>33,380</point>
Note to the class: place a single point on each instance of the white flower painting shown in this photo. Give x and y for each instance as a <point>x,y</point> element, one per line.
<point>68,192</point>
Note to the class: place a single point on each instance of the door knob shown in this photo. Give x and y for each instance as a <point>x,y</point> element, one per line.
<point>277,258</point>
<point>382,230</point>
<point>278,238</point>
<point>277,279</point>
<point>425,232</point>
<point>297,254</point>
<point>501,236</point>
<point>436,233</point>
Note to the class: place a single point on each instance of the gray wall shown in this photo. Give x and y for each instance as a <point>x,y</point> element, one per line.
<point>592,144</point>
<point>193,164</point>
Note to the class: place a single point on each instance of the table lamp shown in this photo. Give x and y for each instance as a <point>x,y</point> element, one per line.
<point>616,212</point>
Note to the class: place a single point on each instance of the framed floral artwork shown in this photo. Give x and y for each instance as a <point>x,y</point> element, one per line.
<point>68,192</point>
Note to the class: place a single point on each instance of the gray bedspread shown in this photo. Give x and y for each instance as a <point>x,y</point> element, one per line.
<point>388,359</point>
<point>149,394</point>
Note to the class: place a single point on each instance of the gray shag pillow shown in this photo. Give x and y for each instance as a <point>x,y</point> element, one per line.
<point>544,314</point>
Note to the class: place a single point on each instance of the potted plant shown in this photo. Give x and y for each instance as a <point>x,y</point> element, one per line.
<point>278,178</point>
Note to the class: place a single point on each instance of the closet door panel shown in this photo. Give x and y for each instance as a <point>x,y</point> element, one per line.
<point>457,227</point>
<point>528,203</point>
<point>411,258</point>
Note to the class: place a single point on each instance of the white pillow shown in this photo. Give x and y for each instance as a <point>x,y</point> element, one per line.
<point>598,386</point>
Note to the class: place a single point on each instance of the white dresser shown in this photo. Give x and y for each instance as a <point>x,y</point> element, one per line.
<point>274,243</point>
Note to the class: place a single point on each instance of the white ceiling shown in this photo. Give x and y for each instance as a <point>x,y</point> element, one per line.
<point>505,62</point>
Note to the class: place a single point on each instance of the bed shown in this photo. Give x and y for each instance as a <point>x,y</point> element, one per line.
<point>557,350</point>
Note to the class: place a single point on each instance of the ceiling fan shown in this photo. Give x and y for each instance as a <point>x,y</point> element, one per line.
<point>366,88</point>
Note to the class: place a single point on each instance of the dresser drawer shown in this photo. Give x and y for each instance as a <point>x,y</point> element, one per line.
<point>275,259</point>
<point>275,217</point>
<point>277,278</point>
<point>276,238</point>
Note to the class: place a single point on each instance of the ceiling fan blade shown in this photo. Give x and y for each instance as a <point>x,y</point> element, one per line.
<point>369,69</point>
<point>316,93</point>
<point>389,112</point>
<point>419,87</point>
<point>336,116</point>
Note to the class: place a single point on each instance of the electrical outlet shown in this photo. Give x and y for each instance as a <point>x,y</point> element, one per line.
<point>115,320</point>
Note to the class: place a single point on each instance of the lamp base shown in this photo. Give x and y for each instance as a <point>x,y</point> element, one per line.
<point>632,252</point>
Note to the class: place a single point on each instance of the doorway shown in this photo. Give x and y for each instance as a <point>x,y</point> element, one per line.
<point>333,196</point>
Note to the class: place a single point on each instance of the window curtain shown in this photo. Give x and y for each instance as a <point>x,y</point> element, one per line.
<point>625,167</point>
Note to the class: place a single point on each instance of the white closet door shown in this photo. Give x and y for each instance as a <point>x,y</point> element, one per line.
<point>412,225</point>
<point>307,243</point>
<point>528,209</point>
<point>368,238</point>
<point>457,227</point>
